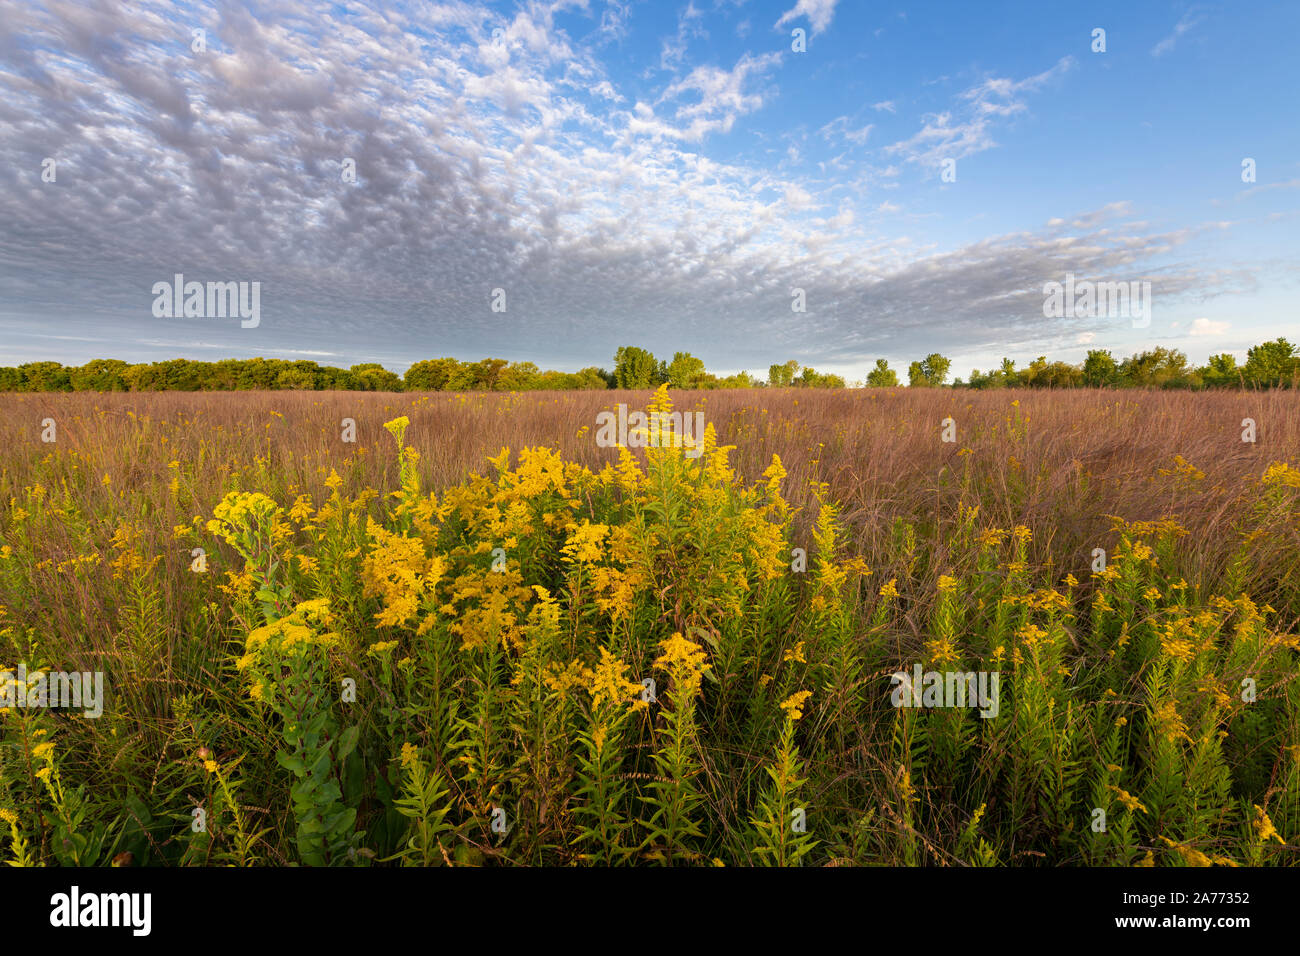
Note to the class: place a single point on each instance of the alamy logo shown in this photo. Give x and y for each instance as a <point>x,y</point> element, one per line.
<point>58,689</point>
<point>215,300</point>
<point>947,689</point>
<point>102,909</point>
<point>659,429</point>
<point>1091,300</point>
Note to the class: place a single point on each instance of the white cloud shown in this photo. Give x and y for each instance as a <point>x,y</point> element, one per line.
<point>723,96</point>
<point>840,128</point>
<point>1208,327</point>
<point>1190,19</point>
<point>944,136</point>
<point>818,12</point>
<point>476,169</point>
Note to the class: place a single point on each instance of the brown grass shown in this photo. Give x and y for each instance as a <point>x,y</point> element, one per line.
<point>1081,456</point>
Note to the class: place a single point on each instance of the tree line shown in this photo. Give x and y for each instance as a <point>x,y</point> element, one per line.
<point>1270,364</point>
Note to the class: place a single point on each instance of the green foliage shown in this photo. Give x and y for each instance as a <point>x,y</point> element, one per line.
<point>930,372</point>
<point>635,368</point>
<point>882,376</point>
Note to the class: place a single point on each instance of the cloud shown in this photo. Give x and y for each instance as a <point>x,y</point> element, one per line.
<point>818,12</point>
<point>1208,327</point>
<point>1189,20</point>
<point>885,105</point>
<point>518,162</point>
<point>950,135</point>
<point>722,96</point>
<point>689,26</point>
<point>840,129</point>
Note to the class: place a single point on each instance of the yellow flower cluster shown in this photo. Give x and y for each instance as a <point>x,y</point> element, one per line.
<point>685,661</point>
<point>793,705</point>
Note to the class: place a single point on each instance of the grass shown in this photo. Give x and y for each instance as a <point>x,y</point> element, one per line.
<point>954,555</point>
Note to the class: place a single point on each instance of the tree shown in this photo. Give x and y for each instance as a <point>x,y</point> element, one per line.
<point>45,377</point>
<point>430,375</point>
<point>930,372</point>
<point>519,377</point>
<point>882,376</point>
<point>1099,369</point>
<point>781,376</point>
<point>1058,375</point>
<point>635,368</point>
<point>1272,363</point>
<point>739,380</point>
<point>1221,371</point>
<point>811,378</point>
<point>685,371</point>
<point>99,375</point>
<point>1157,368</point>
<point>296,379</point>
<point>373,377</point>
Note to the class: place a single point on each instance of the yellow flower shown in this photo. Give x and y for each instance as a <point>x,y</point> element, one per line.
<point>793,704</point>
<point>1264,827</point>
<point>1281,473</point>
<point>8,816</point>
<point>397,428</point>
<point>584,544</point>
<point>795,654</point>
<point>684,660</point>
<point>1169,723</point>
<point>609,683</point>
<point>211,766</point>
<point>1129,801</point>
<point>410,755</point>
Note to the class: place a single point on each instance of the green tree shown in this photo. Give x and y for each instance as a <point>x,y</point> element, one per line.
<point>45,377</point>
<point>430,375</point>
<point>1157,368</point>
<point>685,370</point>
<point>1099,369</point>
<point>99,375</point>
<point>930,372</point>
<point>782,376</point>
<point>1221,371</point>
<point>882,376</point>
<point>1272,363</point>
<point>519,377</point>
<point>635,368</point>
<point>295,379</point>
<point>373,377</point>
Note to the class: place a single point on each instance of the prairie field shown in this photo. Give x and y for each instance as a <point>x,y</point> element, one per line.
<point>472,635</point>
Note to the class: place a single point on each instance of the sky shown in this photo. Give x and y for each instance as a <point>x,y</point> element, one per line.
<point>673,176</point>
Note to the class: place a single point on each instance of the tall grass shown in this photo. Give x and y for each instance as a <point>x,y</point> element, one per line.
<point>527,738</point>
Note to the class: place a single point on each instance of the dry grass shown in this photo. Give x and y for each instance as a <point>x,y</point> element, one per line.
<point>978,534</point>
<point>1058,463</point>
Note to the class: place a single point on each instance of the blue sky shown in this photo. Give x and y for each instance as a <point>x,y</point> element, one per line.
<point>651,173</point>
